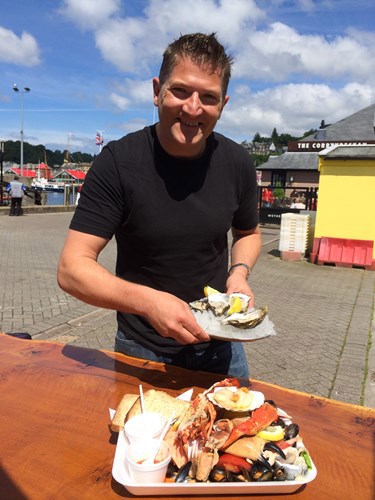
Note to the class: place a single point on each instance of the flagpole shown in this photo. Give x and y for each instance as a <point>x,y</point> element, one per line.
<point>99,140</point>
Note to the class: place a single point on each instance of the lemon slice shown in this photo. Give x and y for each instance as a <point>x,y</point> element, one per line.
<point>209,291</point>
<point>272,433</point>
<point>235,305</point>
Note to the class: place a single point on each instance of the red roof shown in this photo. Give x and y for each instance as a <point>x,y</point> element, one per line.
<point>25,173</point>
<point>78,174</point>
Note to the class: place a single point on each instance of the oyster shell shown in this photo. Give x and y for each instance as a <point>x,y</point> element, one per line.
<point>248,319</point>
<point>200,305</point>
<point>219,303</point>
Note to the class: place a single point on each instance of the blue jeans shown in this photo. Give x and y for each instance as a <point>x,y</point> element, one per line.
<point>227,358</point>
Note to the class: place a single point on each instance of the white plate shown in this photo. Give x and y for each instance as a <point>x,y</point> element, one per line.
<point>216,330</point>
<point>256,402</point>
<point>121,475</point>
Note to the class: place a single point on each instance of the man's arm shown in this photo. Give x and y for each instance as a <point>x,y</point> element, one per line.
<point>246,249</point>
<point>82,276</point>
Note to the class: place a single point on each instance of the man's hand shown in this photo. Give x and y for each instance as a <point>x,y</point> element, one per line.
<point>236,282</point>
<point>172,317</point>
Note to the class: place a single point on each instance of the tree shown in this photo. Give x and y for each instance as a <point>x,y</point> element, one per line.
<point>312,131</point>
<point>275,137</point>
<point>37,154</point>
<point>257,137</point>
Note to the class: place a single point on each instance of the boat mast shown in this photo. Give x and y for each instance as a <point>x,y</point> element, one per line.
<point>66,159</point>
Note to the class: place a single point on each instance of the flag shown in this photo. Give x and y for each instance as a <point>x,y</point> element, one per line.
<point>99,139</point>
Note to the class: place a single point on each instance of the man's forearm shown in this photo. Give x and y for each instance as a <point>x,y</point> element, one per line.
<point>88,281</point>
<point>246,248</point>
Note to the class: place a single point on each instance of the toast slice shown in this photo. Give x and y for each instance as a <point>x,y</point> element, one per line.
<point>159,402</point>
<point>118,421</point>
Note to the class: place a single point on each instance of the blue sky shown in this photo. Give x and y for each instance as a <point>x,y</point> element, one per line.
<point>89,64</point>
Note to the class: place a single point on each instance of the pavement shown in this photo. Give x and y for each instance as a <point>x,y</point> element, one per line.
<point>323,315</point>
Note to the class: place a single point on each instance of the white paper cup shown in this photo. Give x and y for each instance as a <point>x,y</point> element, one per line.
<point>146,425</point>
<point>135,455</point>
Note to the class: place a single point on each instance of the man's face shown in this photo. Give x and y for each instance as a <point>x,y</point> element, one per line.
<point>189,104</point>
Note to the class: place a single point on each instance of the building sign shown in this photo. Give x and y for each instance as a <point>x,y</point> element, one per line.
<point>315,146</point>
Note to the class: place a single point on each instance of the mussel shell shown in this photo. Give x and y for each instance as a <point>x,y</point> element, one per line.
<point>291,431</point>
<point>218,474</point>
<point>271,446</point>
<point>280,474</point>
<point>279,422</point>
<point>271,402</point>
<point>171,470</point>
<point>183,473</point>
<point>264,463</point>
<point>260,472</point>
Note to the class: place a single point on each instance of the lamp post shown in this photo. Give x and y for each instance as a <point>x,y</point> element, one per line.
<point>1,172</point>
<point>22,92</point>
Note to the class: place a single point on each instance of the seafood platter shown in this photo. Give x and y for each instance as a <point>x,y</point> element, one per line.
<point>229,440</point>
<point>228,317</point>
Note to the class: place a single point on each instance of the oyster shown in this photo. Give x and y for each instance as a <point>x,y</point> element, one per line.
<point>200,305</point>
<point>219,303</point>
<point>249,319</point>
<point>242,299</point>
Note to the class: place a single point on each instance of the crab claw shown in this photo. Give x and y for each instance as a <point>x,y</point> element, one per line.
<point>261,418</point>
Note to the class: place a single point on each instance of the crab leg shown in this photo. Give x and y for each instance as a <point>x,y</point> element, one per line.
<point>261,418</point>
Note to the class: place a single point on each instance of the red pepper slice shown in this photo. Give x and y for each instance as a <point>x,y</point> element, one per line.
<point>234,464</point>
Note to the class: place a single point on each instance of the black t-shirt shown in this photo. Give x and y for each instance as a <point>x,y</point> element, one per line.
<point>170,216</point>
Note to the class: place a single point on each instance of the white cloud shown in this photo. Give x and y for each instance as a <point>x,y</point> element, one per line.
<point>249,112</point>
<point>23,50</point>
<point>89,13</point>
<point>304,77</point>
<point>132,44</point>
<point>119,101</point>
<point>280,52</point>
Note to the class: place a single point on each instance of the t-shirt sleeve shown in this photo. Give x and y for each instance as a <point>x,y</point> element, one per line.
<point>101,207</point>
<point>246,216</point>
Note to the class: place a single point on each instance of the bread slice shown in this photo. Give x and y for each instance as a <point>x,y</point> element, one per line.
<point>159,402</point>
<point>118,421</point>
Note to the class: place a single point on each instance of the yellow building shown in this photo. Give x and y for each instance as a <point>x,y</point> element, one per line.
<point>346,206</point>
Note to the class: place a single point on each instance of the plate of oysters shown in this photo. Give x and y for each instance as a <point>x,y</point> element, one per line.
<point>228,317</point>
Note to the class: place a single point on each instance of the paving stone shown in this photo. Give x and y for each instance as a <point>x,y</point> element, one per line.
<point>322,314</point>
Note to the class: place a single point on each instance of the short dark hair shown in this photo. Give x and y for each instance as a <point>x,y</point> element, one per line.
<point>16,177</point>
<point>202,49</point>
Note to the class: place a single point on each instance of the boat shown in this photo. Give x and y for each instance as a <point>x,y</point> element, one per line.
<point>42,184</point>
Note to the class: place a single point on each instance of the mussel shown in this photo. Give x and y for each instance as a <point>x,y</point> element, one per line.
<point>280,474</point>
<point>271,446</point>
<point>260,472</point>
<point>220,474</point>
<point>291,431</point>
<point>183,473</point>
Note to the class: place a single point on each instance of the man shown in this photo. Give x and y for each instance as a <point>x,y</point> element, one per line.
<point>16,190</point>
<point>169,193</point>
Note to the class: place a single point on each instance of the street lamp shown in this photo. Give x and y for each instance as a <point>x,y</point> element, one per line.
<point>22,92</point>
<point>1,172</point>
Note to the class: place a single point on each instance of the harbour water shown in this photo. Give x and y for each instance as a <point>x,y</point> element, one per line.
<point>58,198</point>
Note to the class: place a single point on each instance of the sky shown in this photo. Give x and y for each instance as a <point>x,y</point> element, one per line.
<point>89,64</point>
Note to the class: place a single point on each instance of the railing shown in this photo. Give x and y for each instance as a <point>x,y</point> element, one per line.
<point>267,199</point>
<point>271,207</point>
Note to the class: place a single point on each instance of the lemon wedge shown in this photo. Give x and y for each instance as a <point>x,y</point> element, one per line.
<point>272,433</point>
<point>209,291</point>
<point>235,305</point>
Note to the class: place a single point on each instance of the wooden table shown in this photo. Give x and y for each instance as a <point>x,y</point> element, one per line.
<point>56,443</point>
